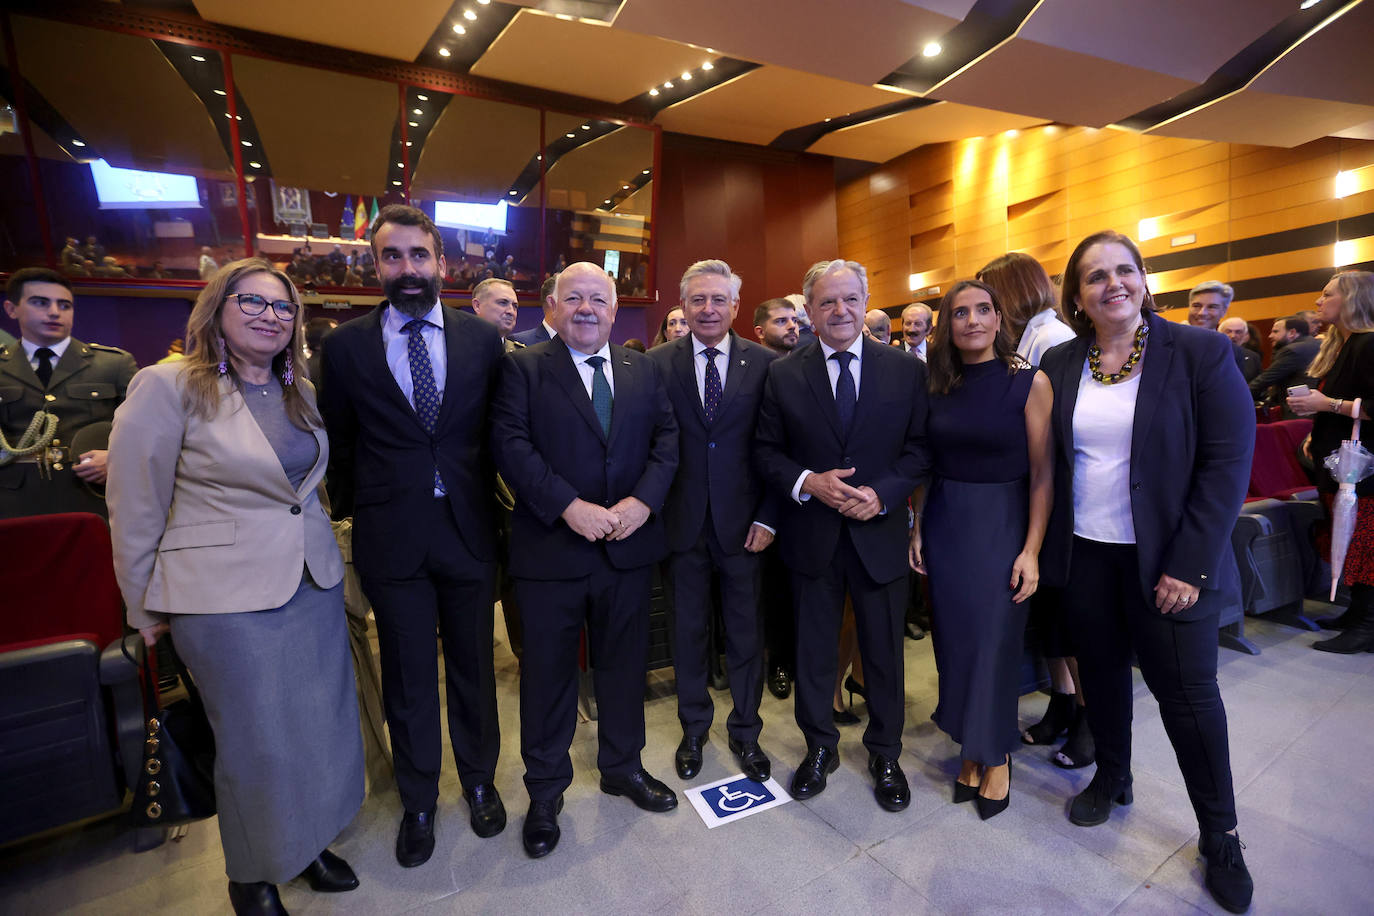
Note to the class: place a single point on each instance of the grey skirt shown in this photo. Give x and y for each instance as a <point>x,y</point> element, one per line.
<point>278,689</point>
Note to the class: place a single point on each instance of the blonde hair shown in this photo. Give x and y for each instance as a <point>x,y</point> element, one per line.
<point>206,348</point>
<point>1357,314</point>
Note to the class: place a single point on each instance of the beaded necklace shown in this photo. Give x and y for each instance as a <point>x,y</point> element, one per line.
<point>1137,348</point>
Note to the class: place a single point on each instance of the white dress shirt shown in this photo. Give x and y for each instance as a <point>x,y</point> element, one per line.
<point>1043,331</point>
<point>832,369</point>
<point>31,349</point>
<point>699,364</point>
<point>585,370</point>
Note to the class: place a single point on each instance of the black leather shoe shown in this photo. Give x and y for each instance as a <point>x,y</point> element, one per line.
<point>1093,805</point>
<point>752,760</point>
<point>256,899</point>
<point>541,831</point>
<point>488,813</point>
<point>688,756</point>
<point>809,780</point>
<point>845,717</point>
<point>642,789</point>
<point>1227,879</point>
<point>889,783</point>
<point>779,682</point>
<point>329,874</point>
<point>914,632</point>
<point>415,839</point>
<point>991,807</point>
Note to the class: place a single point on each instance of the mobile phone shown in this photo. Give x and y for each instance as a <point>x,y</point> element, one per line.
<point>1298,391</point>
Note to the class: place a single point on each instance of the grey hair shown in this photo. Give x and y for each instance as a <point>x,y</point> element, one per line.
<point>920,307</point>
<point>823,268</point>
<point>1213,286</point>
<point>708,268</point>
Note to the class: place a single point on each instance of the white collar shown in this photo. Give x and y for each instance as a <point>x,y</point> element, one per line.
<point>30,348</point>
<point>723,347</point>
<point>397,319</point>
<point>856,348</point>
<point>580,357</point>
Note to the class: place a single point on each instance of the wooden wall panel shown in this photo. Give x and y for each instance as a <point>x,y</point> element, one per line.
<point>1041,190</point>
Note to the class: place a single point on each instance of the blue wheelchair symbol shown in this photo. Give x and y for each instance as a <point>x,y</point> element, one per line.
<point>737,796</point>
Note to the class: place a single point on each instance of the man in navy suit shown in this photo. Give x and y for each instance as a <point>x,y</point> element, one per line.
<point>404,396</point>
<point>584,433</point>
<point>717,517</point>
<point>542,331</point>
<point>841,441</point>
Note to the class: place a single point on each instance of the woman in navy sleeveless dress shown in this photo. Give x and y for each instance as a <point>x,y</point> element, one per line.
<point>979,529</point>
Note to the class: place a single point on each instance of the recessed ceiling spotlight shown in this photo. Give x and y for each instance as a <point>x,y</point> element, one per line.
<point>624,187</point>
<point>220,92</point>
<point>469,15</point>
<point>1013,133</point>
<point>410,143</point>
<point>708,66</point>
<point>256,165</point>
<point>571,136</point>
<point>1308,4</point>
<point>653,91</point>
<point>539,158</point>
<point>418,111</point>
<point>78,143</point>
<point>459,29</point>
<point>400,165</point>
<point>396,183</point>
<point>668,85</point>
<point>586,127</point>
<point>198,58</point>
<point>413,123</point>
<point>246,142</point>
<point>827,121</point>
<point>514,193</point>
<point>444,52</point>
<point>423,98</point>
<point>932,49</point>
<point>645,172</point>
<point>483,2</point>
<point>686,76</point>
<point>606,201</point>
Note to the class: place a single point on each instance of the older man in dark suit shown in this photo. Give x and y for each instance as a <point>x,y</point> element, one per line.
<point>717,516</point>
<point>404,396</point>
<point>841,438</point>
<point>584,433</point>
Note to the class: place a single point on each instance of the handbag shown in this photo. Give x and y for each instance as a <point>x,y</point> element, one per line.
<point>176,780</point>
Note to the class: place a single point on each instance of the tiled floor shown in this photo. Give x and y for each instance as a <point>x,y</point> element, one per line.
<point>1302,735</point>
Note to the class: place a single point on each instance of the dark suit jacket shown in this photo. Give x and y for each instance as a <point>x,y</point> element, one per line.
<point>381,468</point>
<point>799,430</point>
<point>715,462</point>
<point>534,335</point>
<point>1191,445</point>
<point>550,448</point>
<point>1247,361</point>
<point>1288,368</point>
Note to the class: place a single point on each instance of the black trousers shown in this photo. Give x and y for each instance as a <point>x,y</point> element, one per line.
<point>614,605</point>
<point>776,608</point>
<point>1107,618</point>
<point>690,575</point>
<point>455,589</point>
<point>879,612</point>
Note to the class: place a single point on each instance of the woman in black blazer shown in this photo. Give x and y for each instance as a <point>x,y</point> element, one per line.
<point>1154,430</point>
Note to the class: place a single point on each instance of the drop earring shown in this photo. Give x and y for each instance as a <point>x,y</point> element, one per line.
<point>223,368</point>
<point>288,376</point>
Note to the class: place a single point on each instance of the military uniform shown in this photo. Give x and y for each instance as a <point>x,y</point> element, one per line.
<point>88,383</point>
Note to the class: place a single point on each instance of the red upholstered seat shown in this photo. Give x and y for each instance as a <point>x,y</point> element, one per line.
<point>59,579</point>
<point>1275,472</point>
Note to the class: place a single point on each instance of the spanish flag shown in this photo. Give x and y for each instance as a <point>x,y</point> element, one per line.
<point>360,220</point>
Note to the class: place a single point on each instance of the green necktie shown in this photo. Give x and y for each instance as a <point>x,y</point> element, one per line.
<point>601,393</point>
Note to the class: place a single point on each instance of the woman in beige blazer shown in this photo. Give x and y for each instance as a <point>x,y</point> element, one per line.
<point>219,536</point>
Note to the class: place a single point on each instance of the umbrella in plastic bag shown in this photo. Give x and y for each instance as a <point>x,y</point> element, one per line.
<point>1348,465</point>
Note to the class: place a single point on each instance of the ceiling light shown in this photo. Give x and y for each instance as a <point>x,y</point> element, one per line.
<point>565,17</point>
<point>423,98</point>
<point>469,15</point>
<point>246,142</point>
<point>1343,254</point>
<point>606,201</point>
<point>624,187</point>
<point>653,91</point>
<point>458,29</point>
<point>668,85</point>
<point>77,143</point>
<point>1346,184</point>
<point>645,172</point>
<point>571,136</point>
<point>256,165</point>
<point>827,121</point>
<point>413,123</point>
<point>220,92</point>
<point>686,76</point>
<point>400,165</point>
<point>514,193</point>
<point>708,66</point>
<point>418,111</point>
<point>586,127</point>
<point>1013,133</point>
<point>444,52</point>
<point>539,158</point>
<point>198,58</point>
<point>1308,4</point>
<point>484,2</point>
<point>932,49</point>
<point>410,143</point>
<point>396,183</point>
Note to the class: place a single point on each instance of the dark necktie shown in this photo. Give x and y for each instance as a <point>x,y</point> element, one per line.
<point>601,393</point>
<point>426,396</point>
<point>845,396</point>
<point>711,400</point>
<point>44,364</point>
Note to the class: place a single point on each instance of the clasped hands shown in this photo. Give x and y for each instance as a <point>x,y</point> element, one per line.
<point>596,523</point>
<point>859,503</point>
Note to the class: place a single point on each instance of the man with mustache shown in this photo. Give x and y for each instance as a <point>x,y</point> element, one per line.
<point>404,397</point>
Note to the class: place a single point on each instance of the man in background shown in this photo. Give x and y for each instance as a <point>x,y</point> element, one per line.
<point>916,321</point>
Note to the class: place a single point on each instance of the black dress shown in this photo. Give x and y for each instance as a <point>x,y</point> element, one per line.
<point>974,527</point>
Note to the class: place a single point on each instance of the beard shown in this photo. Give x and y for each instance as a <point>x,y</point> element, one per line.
<point>413,304</point>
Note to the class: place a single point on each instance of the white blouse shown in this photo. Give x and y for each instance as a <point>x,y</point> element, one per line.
<point>1043,331</point>
<point>1103,418</point>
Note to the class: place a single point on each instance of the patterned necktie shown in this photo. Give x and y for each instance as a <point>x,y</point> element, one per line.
<point>845,396</point>
<point>426,395</point>
<point>712,394</point>
<point>44,364</point>
<point>601,393</point>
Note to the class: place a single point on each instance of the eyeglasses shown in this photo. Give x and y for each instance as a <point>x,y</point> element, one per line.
<point>252,305</point>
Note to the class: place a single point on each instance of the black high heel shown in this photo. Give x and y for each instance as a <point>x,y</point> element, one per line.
<point>963,793</point>
<point>991,807</point>
<point>845,717</point>
<point>854,687</point>
<point>1058,717</point>
<point>1079,750</point>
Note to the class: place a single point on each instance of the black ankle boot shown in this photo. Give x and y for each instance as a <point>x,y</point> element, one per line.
<point>1058,717</point>
<point>257,898</point>
<point>1358,635</point>
<point>1078,749</point>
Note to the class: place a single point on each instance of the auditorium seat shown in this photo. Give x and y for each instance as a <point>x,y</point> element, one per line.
<point>71,716</point>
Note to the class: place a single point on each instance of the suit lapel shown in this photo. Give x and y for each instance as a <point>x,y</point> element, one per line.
<point>246,429</point>
<point>374,358</point>
<point>73,360</point>
<point>17,367</point>
<point>813,367</point>
<point>870,384</point>
<point>685,371</point>
<point>1066,393</point>
<point>624,374</point>
<point>558,363</point>
<point>1159,354</point>
<point>734,378</point>
<point>453,347</point>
